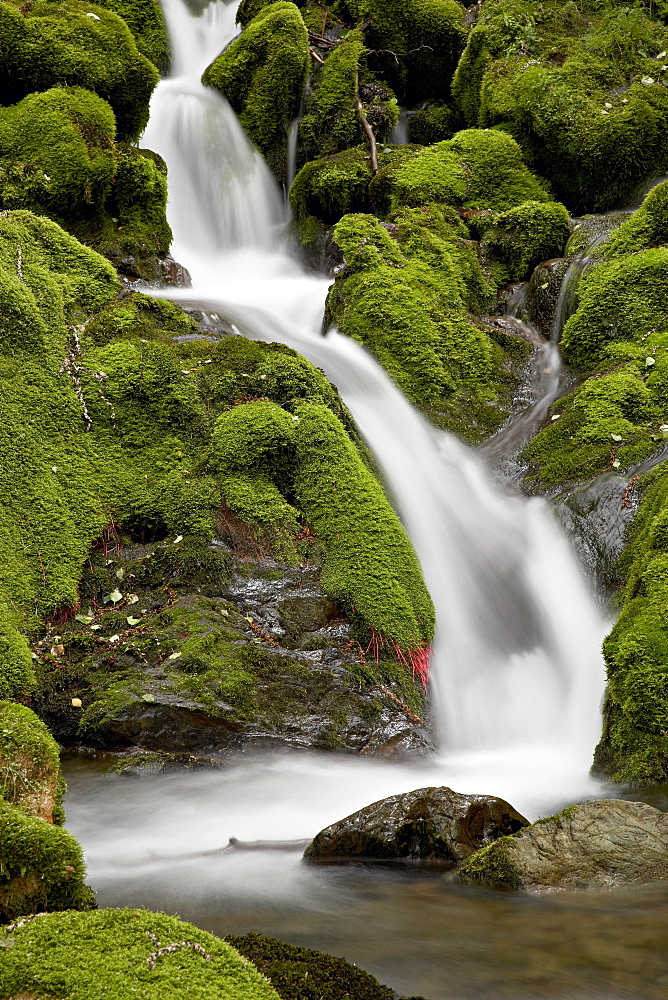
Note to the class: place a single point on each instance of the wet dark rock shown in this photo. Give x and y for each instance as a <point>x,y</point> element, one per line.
<point>208,649</point>
<point>429,824</point>
<point>173,273</point>
<point>542,294</point>
<point>601,843</point>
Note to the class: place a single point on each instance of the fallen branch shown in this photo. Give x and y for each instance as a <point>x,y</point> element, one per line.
<point>365,125</point>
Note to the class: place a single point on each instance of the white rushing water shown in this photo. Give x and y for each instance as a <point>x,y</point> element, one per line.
<point>517,675</point>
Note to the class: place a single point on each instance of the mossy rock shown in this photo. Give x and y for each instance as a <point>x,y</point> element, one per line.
<point>580,86</point>
<point>58,157</point>
<point>29,763</point>
<point>404,293</point>
<point>331,121</point>
<point>41,867</point>
<point>435,123</point>
<point>305,974</point>
<point>369,565</point>
<point>71,43</point>
<point>84,955</point>
<point>57,153</point>
<point>516,241</point>
<point>145,20</point>
<point>477,168</point>
<point>329,187</point>
<point>262,73</point>
<point>634,747</point>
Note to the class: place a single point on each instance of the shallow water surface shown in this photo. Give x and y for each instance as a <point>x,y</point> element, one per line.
<point>417,930</point>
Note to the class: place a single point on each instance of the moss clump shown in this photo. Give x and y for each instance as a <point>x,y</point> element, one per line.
<point>580,86</point>
<point>252,447</point>
<point>406,298</point>
<point>492,866</point>
<point>145,20</point>
<point>369,566</point>
<point>517,240</point>
<point>477,168</point>
<point>327,188</point>
<point>416,43</point>
<point>29,763</point>
<point>113,951</point>
<point>647,227</point>
<point>69,44</point>
<point>305,974</point>
<point>432,124</point>
<point>634,744</point>
<point>41,867</point>
<point>621,301</point>
<point>262,73</point>
<point>57,153</point>
<point>58,157</point>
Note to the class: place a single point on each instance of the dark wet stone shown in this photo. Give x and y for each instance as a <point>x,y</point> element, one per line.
<point>600,843</point>
<point>429,824</point>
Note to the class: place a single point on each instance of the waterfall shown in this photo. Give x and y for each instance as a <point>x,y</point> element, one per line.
<point>516,665</point>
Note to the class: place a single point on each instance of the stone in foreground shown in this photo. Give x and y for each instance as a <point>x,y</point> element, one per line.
<point>429,824</point>
<point>601,843</point>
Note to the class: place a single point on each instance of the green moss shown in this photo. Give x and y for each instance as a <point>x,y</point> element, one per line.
<point>84,955</point>
<point>492,866</point>
<point>634,745</point>
<point>57,153</point>
<point>70,44</point>
<point>29,763</point>
<point>517,240</point>
<point>41,867</point>
<point>477,168</point>
<point>58,157</point>
<point>145,20</point>
<point>262,74</point>
<point>305,974</point>
<point>580,86</point>
<point>134,231</point>
<point>432,124</point>
<point>406,303</point>
<point>16,671</point>
<point>421,39</point>
<point>623,300</point>
<point>327,188</point>
<point>369,566</point>
<point>647,227</point>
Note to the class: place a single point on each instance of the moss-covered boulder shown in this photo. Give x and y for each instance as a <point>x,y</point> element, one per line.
<point>600,843</point>
<point>415,43</point>
<point>57,153</point>
<point>59,157</point>
<point>262,73</point>
<point>29,763</point>
<point>405,293</point>
<point>369,566</point>
<point>145,20</point>
<point>41,865</point>
<point>580,86</point>
<point>113,951</point>
<point>634,744</point>
<point>477,168</point>
<point>331,121</point>
<point>516,241</point>
<point>70,43</point>
<point>305,974</point>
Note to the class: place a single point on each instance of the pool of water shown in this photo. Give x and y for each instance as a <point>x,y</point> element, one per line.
<point>417,930</point>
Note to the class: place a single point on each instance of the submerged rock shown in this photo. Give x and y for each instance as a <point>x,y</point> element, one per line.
<point>426,824</point>
<point>606,842</point>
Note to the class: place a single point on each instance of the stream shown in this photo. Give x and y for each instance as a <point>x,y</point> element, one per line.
<point>517,674</point>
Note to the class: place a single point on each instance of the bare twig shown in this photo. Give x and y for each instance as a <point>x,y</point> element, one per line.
<point>365,125</point>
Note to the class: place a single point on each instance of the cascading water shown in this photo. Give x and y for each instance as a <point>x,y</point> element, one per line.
<point>516,660</point>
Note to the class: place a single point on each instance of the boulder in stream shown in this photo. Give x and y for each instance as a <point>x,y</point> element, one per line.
<point>600,843</point>
<point>428,824</point>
